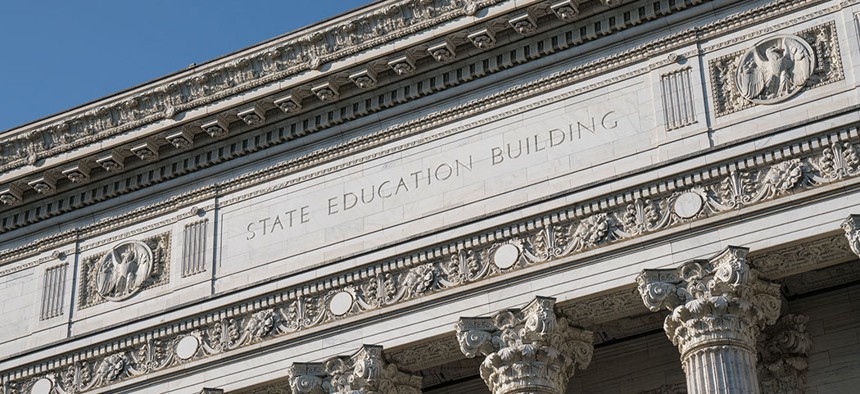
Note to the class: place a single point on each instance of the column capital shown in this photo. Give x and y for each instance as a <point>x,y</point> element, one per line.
<point>365,372</point>
<point>528,350</point>
<point>852,232</point>
<point>719,301</point>
<point>783,350</point>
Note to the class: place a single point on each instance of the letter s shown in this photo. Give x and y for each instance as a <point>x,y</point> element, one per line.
<point>250,230</point>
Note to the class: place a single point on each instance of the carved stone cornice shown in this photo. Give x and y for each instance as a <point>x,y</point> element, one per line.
<point>720,301</point>
<point>365,372</point>
<point>852,232</point>
<point>783,350</point>
<point>529,350</point>
<point>299,51</point>
<point>516,94</point>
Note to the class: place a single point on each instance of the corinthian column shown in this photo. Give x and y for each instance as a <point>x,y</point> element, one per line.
<point>528,351</point>
<point>365,372</point>
<point>852,232</point>
<point>718,307</point>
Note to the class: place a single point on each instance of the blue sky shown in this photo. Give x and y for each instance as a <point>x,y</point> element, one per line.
<point>56,55</point>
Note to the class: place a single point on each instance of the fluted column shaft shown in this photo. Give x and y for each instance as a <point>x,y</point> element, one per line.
<point>721,369</point>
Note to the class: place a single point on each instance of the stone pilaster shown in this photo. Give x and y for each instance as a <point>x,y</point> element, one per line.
<point>852,232</point>
<point>783,350</point>
<point>365,372</point>
<point>718,308</point>
<point>528,351</point>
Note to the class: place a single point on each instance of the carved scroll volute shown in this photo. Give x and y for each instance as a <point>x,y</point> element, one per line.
<point>852,232</point>
<point>308,378</point>
<point>783,350</point>
<point>366,372</point>
<point>530,350</point>
<point>475,336</point>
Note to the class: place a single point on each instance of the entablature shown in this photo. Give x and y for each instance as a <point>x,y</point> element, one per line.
<point>301,72</point>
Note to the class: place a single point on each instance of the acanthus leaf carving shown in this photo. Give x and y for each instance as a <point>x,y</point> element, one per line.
<point>364,372</point>
<point>526,348</point>
<point>717,308</point>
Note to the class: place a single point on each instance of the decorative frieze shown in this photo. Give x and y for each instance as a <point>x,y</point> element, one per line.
<point>527,350</point>
<point>803,256</point>
<point>776,68</point>
<point>717,309</point>
<point>783,352</point>
<point>365,372</point>
<point>124,270</point>
<point>423,355</point>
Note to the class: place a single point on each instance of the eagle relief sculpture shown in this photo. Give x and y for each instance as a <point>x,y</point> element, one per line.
<point>124,270</point>
<point>775,69</point>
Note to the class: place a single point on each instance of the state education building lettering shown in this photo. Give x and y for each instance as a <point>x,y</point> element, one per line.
<point>425,179</point>
<point>454,196</point>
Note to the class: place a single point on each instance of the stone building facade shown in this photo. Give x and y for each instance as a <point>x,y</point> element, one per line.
<point>455,196</point>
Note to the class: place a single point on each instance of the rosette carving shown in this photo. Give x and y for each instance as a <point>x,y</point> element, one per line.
<point>526,349</point>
